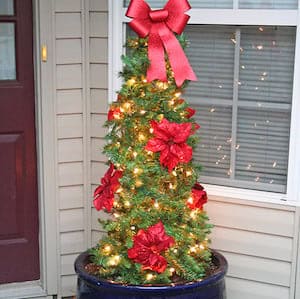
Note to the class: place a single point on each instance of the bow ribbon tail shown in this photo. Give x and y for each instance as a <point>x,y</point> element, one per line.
<point>156,55</point>
<point>178,60</point>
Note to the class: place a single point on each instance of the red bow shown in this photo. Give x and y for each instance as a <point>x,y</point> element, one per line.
<point>160,25</point>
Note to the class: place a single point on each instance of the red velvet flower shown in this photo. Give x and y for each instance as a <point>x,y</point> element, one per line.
<point>170,140</point>
<point>105,193</point>
<point>198,198</point>
<point>148,244</point>
<point>114,113</point>
<point>190,112</point>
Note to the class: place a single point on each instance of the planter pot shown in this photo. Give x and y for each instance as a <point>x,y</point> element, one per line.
<point>91,287</point>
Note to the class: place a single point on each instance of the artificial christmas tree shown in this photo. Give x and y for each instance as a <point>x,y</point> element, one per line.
<point>158,230</point>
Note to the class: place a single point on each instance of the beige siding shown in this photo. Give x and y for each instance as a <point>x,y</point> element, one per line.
<point>259,240</point>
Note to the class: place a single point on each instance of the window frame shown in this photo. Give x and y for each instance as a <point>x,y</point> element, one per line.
<point>235,17</point>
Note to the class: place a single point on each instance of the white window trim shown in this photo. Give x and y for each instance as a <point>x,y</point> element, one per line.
<point>234,16</point>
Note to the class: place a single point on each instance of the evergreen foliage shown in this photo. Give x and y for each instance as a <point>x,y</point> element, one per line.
<point>148,192</point>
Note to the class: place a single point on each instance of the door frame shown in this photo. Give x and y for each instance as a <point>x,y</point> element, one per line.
<point>47,285</point>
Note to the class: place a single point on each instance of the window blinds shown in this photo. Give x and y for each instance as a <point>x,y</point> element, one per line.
<point>246,4</point>
<point>245,142</point>
<point>268,4</point>
<point>194,3</point>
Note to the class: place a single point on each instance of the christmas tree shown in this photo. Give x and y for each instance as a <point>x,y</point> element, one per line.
<point>157,233</point>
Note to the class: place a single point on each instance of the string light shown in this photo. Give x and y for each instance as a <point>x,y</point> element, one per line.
<point>151,130</point>
<point>139,183</point>
<point>134,154</point>
<point>127,204</point>
<point>120,190</point>
<point>189,173</point>
<point>193,214</point>
<point>190,200</point>
<point>141,137</point>
<point>149,276</point>
<point>172,271</point>
<point>174,173</point>
<point>142,112</point>
<point>107,249</point>
<point>137,171</point>
<point>177,94</point>
<point>131,81</point>
<point>132,227</point>
<point>156,205</point>
<point>114,260</point>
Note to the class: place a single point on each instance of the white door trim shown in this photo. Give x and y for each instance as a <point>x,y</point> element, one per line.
<point>46,157</point>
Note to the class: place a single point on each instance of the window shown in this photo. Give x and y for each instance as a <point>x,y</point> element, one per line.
<point>244,54</point>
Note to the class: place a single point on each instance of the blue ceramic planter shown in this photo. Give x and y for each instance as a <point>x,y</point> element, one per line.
<point>91,287</point>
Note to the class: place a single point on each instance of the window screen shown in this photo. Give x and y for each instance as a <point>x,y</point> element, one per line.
<point>243,97</point>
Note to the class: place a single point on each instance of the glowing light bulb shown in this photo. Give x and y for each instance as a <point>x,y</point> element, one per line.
<point>120,190</point>
<point>193,214</point>
<point>137,171</point>
<point>174,173</point>
<point>142,112</point>
<point>134,154</point>
<point>201,246</point>
<point>141,137</point>
<point>172,270</point>
<point>156,205</point>
<point>190,200</point>
<point>149,276</point>
<point>139,183</point>
<point>177,94</point>
<point>193,249</point>
<point>127,203</point>
<point>151,130</point>
<point>131,82</point>
<point>189,173</point>
<point>107,249</point>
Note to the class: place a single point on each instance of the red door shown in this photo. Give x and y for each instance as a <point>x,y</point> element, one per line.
<point>19,228</point>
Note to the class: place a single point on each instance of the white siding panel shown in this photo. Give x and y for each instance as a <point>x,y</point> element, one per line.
<point>69,126</point>
<point>98,215</point>
<point>67,264</point>
<point>69,76</point>
<point>72,242</point>
<point>96,5</point>
<point>97,148</point>
<point>252,243</point>
<point>68,51</point>
<point>99,75</point>
<point>98,50</point>
<point>70,174</point>
<point>97,129</point>
<point>98,171</point>
<point>68,285</point>
<point>71,220</point>
<point>98,24</point>
<point>245,289</point>
<point>68,25</point>
<point>71,197</point>
<point>70,150</point>
<point>251,218</point>
<point>258,269</point>
<point>67,5</point>
<point>99,101</point>
<point>96,236</point>
<point>69,101</point>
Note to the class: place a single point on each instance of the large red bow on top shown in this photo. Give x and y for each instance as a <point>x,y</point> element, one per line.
<point>160,25</point>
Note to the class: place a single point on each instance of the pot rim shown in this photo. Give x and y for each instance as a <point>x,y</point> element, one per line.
<point>218,275</point>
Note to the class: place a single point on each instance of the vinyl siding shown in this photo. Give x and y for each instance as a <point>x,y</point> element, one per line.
<point>258,239</point>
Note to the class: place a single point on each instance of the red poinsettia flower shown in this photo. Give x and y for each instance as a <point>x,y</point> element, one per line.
<point>114,113</point>
<point>105,193</point>
<point>170,140</point>
<point>148,244</point>
<point>198,198</point>
<point>191,112</point>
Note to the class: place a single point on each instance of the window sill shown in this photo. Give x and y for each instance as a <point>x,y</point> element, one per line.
<point>249,195</point>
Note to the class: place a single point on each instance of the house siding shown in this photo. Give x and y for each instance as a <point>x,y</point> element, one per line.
<point>258,239</point>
